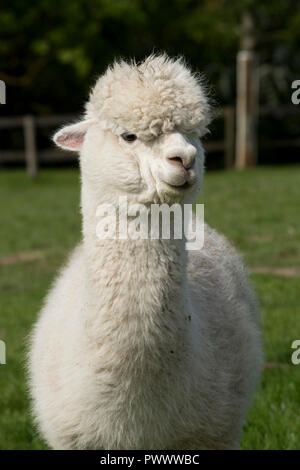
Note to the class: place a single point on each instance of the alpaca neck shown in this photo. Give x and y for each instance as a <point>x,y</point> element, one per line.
<point>133,285</point>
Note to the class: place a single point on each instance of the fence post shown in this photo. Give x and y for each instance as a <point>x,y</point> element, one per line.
<point>247,98</point>
<point>30,146</point>
<point>229,136</point>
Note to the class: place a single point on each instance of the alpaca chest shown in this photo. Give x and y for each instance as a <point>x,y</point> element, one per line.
<point>140,406</point>
<point>140,386</point>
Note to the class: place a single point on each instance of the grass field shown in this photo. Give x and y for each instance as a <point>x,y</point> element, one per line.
<point>257,209</point>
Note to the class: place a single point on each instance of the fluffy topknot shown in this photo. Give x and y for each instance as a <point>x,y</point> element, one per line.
<point>156,96</point>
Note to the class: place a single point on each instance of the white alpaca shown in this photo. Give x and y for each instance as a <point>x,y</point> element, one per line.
<point>142,344</point>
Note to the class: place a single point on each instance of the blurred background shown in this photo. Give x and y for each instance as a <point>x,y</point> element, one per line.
<point>50,57</point>
<point>249,51</point>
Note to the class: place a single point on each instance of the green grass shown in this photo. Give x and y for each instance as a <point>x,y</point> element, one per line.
<point>257,209</point>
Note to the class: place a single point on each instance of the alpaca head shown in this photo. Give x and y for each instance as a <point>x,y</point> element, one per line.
<point>140,135</point>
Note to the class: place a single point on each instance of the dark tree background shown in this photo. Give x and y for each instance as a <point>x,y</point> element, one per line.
<point>51,52</point>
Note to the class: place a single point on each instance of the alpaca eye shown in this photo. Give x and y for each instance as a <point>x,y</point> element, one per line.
<point>129,137</point>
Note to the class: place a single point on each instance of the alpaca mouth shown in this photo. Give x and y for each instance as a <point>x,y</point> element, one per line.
<point>181,180</point>
<point>184,183</point>
<point>183,186</point>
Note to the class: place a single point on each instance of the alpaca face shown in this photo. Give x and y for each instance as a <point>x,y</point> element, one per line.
<point>167,168</point>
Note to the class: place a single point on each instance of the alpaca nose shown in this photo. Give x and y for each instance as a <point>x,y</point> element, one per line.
<point>185,159</point>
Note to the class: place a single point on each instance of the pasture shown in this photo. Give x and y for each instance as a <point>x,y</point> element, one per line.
<point>257,209</point>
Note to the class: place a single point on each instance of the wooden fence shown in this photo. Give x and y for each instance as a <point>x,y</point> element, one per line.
<point>31,155</point>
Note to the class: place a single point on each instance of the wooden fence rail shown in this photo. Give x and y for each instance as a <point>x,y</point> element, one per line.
<point>31,125</point>
<point>32,155</point>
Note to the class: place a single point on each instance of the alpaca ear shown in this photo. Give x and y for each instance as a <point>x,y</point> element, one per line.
<point>72,137</point>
